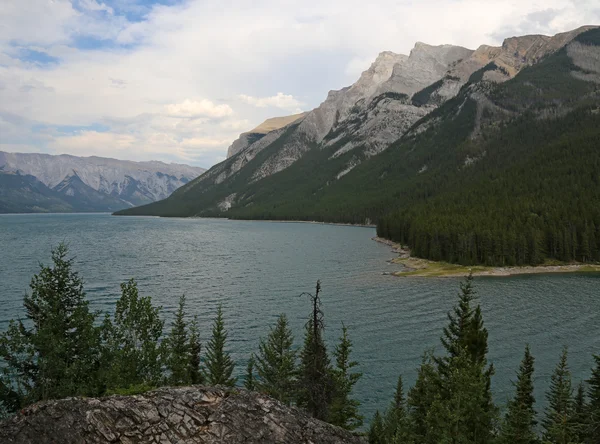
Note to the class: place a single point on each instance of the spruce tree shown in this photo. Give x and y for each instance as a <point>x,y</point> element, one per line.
<point>557,424</point>
<point>195,348</point>
<point>315,383</point>
<point>132,355</point>
<point>519,423</point>
<point>593,426</point>
<point>579,417</point>
<point>344,410</point>
<point>275,363</point>
<point>218,365</point>
<point>249,380</point>
<point>375,435</point>
<point>178,349</point>
<point>56,352</point>
<point>395,420</point>
<point>466,337</point>
<point>422,396</point>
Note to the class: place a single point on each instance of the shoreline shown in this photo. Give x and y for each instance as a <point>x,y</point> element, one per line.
<point>316,222</point>
<point>417,267</point>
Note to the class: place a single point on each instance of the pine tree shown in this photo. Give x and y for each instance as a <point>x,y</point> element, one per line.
<point>458,415</point>
<point>219,365</point>
<point>422,396</point>
<point>195,348</point>
<point>466,336</point>
<point>249,380</point>
<point>376,430</point>
<point>56,353</point>
<point>519,422</point>
<point>557,425</point>
<point>315,383</point>
<point>395,420</point>
<point>579,417</point>
<point>593,428</point>
<point>275,363</point>
<point>132,355</point>
<point>344,410</point>
<point>178,349</point>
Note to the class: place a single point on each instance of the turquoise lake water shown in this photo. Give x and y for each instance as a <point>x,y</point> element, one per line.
<point>258,270</point>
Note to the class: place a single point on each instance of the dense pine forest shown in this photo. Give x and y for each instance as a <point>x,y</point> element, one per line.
<point>502,174</point>
<point>64,349</point>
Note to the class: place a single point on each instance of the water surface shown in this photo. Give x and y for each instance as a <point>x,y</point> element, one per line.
<point>258,270</point>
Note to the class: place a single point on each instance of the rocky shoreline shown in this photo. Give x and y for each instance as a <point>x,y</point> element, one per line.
<point>417,267</point>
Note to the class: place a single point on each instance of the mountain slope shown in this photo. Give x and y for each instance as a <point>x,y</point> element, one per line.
<point>502,173</point>
<point>87,183</point>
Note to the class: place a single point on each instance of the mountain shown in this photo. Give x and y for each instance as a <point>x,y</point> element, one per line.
<point>502,168</point>
<point>254,135</point>
<point>43,183</point>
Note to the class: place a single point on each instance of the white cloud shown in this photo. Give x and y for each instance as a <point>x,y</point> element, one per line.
<point>280,100</point>
<point>198,108</point>
<point>175,75</point>
<point>93,5</point>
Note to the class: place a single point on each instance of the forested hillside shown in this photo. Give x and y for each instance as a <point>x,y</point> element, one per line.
<point>503,173</point>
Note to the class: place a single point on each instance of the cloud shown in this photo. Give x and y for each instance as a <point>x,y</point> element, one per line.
<point>198,108</point>
<point>163,79</point>
<point>280,100</point>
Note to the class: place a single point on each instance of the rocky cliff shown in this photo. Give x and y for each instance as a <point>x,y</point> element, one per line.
<point>390,100</point>
<point>248,138</point>
<point>185,415</point>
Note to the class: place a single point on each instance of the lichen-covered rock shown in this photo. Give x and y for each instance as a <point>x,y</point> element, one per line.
<point>170,415</point>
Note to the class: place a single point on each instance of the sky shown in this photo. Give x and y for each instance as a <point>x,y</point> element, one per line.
<point>179,80</point>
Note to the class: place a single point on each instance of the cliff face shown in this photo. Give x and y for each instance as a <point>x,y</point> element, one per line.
<point>182,415</point>
<point>248,138</point>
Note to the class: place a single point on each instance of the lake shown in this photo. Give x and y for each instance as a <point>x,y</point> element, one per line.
<point>258,270</point>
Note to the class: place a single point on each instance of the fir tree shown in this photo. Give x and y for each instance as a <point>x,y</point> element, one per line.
<point>275,363</point>
<point>132,351</point>
<point>56,353</point>
<point>218,365</point>
<point>314,376</point>
<point>422,396</point>
<point>458,414</point>
<point>593,427</point>
<point>178,349</point>
<point>579,417</point>
<point>195,348</point>
<point>466,336</point>
<point>249,380</point>
<point>395,427</point>
<point>519,423</point>
<point>376,429</point>
<point>344,409</point>
<point>557,425</point>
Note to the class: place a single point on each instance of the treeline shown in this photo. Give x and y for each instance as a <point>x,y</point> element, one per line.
<point>451,401</point>
<point>543,203</point>
<point>64,349</point>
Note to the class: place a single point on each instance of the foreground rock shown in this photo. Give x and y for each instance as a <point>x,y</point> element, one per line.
<point>170,415</point>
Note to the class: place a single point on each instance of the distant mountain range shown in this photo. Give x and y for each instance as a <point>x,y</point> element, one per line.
<point>471,156</point>
<point>46,183</point>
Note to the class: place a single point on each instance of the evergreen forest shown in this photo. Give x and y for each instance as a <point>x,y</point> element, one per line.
<point>503,174</point>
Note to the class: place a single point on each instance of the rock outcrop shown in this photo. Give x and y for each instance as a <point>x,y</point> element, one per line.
<point>183,415</point>
<point>248,138</point>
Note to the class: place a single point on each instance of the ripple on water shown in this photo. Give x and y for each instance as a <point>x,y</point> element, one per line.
<point>257,270</point>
